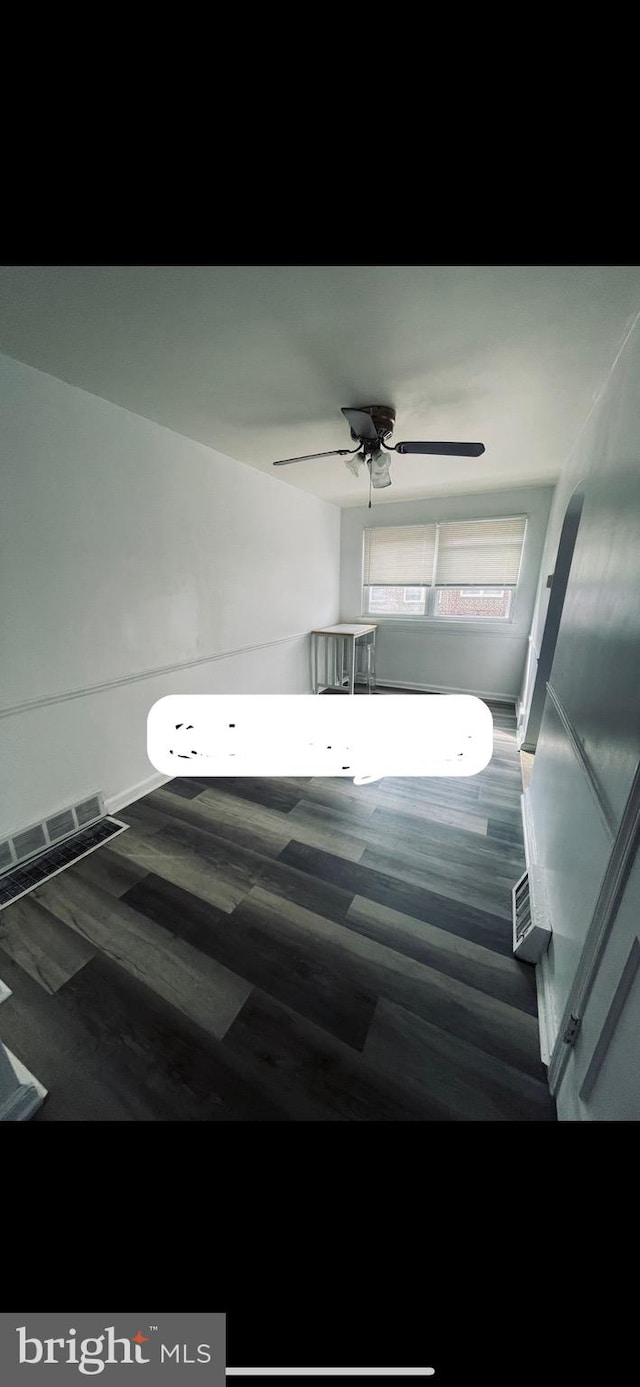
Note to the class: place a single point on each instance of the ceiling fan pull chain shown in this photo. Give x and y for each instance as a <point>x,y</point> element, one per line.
<point>369,466</point>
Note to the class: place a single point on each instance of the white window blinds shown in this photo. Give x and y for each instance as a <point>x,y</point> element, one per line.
<point>472,553</point>
<point>399,555</point>
<point>480,553</point>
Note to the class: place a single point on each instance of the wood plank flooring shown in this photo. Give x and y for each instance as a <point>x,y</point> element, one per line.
<point>286,950</point>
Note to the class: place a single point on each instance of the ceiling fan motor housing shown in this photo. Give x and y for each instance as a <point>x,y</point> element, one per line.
<point>384,418</point>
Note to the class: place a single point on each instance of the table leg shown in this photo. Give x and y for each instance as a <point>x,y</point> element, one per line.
<point>353,666</point>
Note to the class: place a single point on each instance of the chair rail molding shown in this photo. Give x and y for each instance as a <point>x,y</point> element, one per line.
<point>604,808</point>
<point>84,691</point>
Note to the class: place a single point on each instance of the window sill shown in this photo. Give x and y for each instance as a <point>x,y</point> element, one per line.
<point>459,625</point>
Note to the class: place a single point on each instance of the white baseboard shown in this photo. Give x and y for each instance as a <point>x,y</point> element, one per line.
<point>547,1023</point>
<point>440,689</point>
<point>144,787</point>
<point>547,1020</point>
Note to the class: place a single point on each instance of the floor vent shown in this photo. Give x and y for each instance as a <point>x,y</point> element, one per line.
<point>34,839</point>
<point>60,825</point>
<point>24,878</point>
<point>531,924</point>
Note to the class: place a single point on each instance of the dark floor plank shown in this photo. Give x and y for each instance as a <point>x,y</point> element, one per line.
<point>202,816</point>
<point>475,1085</point>
<point>185,788</point>
<point>202,988</point>
<point>502,1030</point>
<point>509,815</point>
<point>480,888</point>
<point>47,950</point>
<point>118,1052</point>
<point>180,1064</point>
<point>505,978</point>
<point>437,909</point>
<point>146,816</point>
<point>257,791</point>
<point>307,891</point>
<point>178,911</point>
<point>46,1034</point>
<point>476,877</point>
<point>310,1067</point>
<point>283,965</point>
<point>509,833</point>
<point>310,891</point>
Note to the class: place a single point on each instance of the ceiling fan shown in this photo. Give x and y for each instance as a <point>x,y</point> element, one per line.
<point>371,426</point>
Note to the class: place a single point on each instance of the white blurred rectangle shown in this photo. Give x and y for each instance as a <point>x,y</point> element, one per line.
<point>295,735</point>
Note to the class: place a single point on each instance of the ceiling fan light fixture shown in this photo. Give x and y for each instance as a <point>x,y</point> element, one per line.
<point>378,463</point>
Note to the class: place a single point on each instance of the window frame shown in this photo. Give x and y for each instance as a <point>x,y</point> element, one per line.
<point>430,614</point>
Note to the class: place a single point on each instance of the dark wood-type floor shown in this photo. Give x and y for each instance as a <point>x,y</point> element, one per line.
<point>286,949</point>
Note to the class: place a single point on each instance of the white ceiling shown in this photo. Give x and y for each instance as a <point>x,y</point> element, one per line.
<point>256,361</point>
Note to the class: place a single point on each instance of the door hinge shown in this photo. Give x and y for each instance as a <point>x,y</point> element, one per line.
<point>571,1032</point>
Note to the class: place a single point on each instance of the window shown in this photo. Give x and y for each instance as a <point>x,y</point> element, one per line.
<point>458,570</point>
<point>389,600</point>
<point>474,602</point>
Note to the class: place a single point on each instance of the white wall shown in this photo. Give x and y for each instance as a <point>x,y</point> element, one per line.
<point>589,745</point>
<point>135,563</point>
<point>438,654</point>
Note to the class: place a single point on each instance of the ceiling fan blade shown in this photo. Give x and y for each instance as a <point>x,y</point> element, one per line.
<point>305,457</point>
<point>361,423</point>
<point>454,450</point>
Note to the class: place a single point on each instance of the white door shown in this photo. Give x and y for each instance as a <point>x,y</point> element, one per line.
<point>601,1081</point>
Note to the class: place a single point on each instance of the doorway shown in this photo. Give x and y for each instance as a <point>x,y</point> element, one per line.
<point>559,581</point>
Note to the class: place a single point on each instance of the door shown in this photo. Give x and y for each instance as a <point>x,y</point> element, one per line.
<point>601,1081</point>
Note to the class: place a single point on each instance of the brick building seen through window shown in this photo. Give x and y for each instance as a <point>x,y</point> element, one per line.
<point>492,604</point>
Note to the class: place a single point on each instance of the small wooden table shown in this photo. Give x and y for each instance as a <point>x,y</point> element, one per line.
<point>339,640</point>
